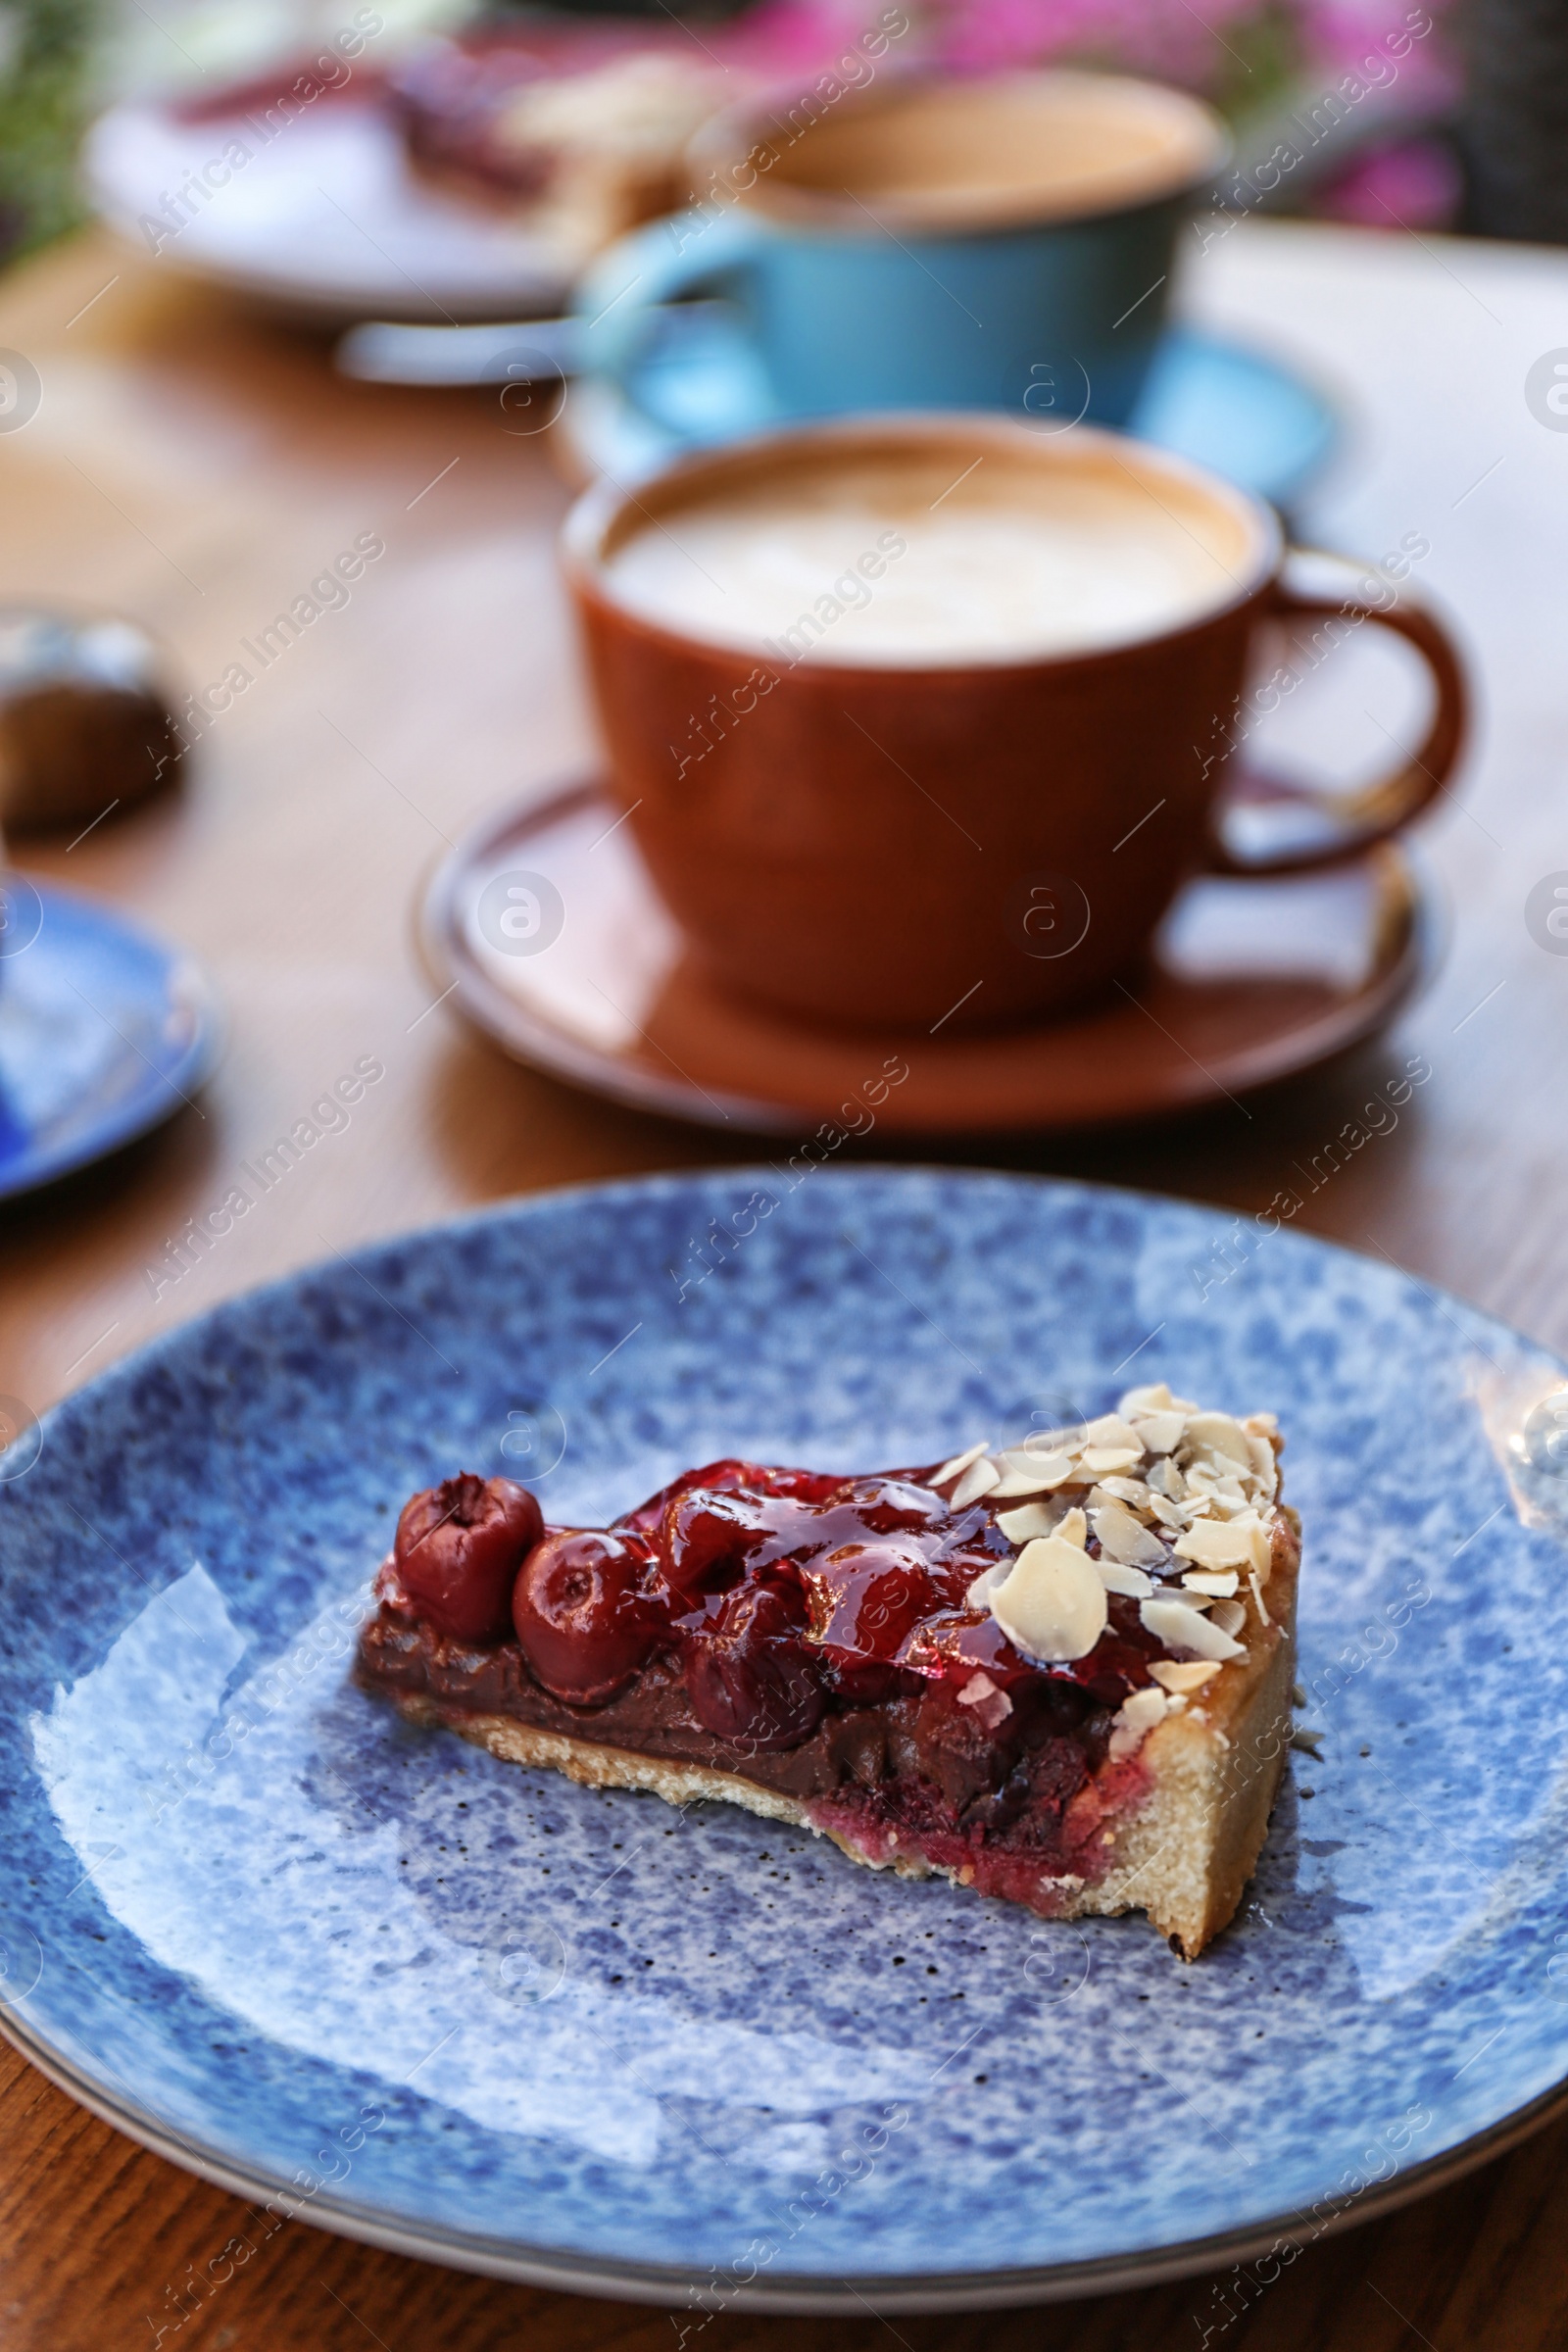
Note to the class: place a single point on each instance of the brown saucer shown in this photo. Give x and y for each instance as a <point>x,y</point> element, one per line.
<point>1250,982</point>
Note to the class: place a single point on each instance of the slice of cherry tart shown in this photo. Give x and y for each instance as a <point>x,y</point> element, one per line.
<point>1058,1673</point>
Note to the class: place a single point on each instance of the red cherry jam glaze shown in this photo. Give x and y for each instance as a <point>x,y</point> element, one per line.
<point>864,1600</point>
<point>749,1673</point>
<point>783,1595</point>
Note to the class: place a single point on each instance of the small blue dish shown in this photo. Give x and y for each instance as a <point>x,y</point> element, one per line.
<point>105,1031</point>
<point>372,1977</point>
<point>1247,416</point>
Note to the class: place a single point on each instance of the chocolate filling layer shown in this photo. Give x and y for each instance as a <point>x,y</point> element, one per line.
<point>918,1759</point>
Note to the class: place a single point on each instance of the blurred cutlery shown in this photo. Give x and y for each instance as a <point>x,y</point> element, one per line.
<point>518,352</point>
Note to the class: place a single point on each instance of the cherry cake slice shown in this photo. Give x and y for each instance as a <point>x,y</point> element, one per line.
<point>1058,1673</point>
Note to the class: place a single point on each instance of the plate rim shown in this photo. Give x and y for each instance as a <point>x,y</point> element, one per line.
<point>666,2284</point>
<point>542,1046</point>
<point>141,1115</point>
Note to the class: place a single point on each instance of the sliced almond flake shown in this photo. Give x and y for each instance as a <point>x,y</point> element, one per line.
<point>1265,1468</point>
<point>1217,1433</point>
<point>1169,1514</point>
<point>1074,1528</point>
<point>1117,1578</point>
<point>1218,1583</point>
<point>1262,1543</point>
<point>1216,1543</point>
<point>1155,1399</point>
<point>985,1584</point>
<point>1181,1627</point>
<point>1184,1674</point>
<point>1054,1509</point>
<point>1298,1695</point>
<point>1039,1478</point>
<point>1053,1606</point>
<point>1125,1539</point>
<point>1165,1479</point>
<point>979,1479</point>
<point>1040,1442</point>
<point>1102,1459</point>
<point>1135,1719</point>
<point>1178,1704</point>
<point>1264,1425</point>
<point>1111,1430</point>
<point>1161,1432</point>
<point>992,1707</point>
<point>1309,1742</point>
<point>959,1461</point>
<point>1141,1708</point>
<point>1229,1615</point>
<point>1100,1497</point>
<point>1022,1526</point>
<point>1204,1478</point>
<point>1258,1595</point>
<point>1130,1490</point>
<point>978,1687</point>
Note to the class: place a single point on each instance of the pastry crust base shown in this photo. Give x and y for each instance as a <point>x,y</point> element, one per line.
<point>595,1767</point>
<point>1184,1855</point>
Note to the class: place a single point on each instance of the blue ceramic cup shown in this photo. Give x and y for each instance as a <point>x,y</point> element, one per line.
<point>1001,243</point>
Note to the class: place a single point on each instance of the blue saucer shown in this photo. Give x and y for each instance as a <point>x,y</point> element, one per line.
<point>372,1977</point>
<point>1236,410</point>
<point>104,1032</point>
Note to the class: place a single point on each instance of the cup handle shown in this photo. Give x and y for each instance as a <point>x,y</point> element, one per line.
<point>619,299</point>
<point>1364,819</point>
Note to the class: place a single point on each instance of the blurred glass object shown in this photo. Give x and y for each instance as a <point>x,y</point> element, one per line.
<point>86,726</point>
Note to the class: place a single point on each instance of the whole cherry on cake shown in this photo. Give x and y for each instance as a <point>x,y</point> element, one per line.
<point>457,1550</point>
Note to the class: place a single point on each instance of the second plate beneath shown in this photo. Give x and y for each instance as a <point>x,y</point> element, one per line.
<point>546,929</point>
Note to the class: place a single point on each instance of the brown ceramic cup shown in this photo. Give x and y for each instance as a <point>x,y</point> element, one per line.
<point>886,823</point>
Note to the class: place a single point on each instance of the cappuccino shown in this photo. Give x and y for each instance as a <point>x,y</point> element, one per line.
<point>886,559</point>
<point>967,153</point>
<point>907,715</point>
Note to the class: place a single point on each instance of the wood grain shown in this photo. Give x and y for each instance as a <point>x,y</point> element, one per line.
<point>195,469</point>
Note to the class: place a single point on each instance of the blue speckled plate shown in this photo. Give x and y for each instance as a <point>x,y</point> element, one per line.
<point>105,1031</point>
<point>1250,417</point>
<point>480,2014</point>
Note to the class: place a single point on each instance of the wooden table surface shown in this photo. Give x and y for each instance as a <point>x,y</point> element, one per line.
<point>195,470</point>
